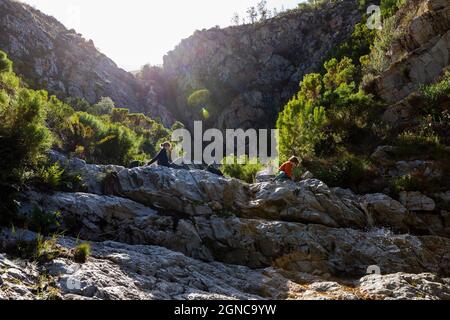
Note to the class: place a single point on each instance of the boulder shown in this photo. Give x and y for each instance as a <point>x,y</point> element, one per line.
<point>416,201</point>
<point>402,286</point>
<point>254,243</point>
<point>385,211</point>
<point>118,271</point>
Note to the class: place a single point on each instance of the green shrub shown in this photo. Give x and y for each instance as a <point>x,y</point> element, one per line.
<point>23,135</point>
<point>119,115</point>
<point>390,7</point>
<point>43,222</point>
<point>246,172</point>
<point>329,114</point>
<point>411,144</point>
<point>40,249</point>
<point>104,106</point>
<point>78,104</point>
<point>101,141</point>
<point>433,93</point>
<point>378,59</point>
<point>46,250</point>
<point>50,176</point>
<point>82,252</point>
<point>417,181</point>
<point>5,63</point>
<point>347,171</point>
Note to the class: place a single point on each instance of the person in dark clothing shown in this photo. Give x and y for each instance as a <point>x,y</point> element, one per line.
<point>163,158</point>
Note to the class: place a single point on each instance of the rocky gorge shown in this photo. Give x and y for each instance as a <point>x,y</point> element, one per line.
<point>161,233</point>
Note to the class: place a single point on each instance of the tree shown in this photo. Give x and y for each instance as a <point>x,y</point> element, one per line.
<point>274,12</point>
<point>5,63</point>
<point>252,14</point>
<point>24,137</point>
<point>104,106</point>
<point>236,19</point>
<point>328,114</point>
<point>262,10</point>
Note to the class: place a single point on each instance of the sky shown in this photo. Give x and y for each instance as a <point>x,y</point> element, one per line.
<point>137,32</point>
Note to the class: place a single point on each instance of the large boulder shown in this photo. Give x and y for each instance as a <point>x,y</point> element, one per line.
<point>416,201</point>
<point>251,242</point>
<point>198,192</point>
<point>117,271</point>
<point>386,211</point>
<point>401,286</point>
<point>418,56</point>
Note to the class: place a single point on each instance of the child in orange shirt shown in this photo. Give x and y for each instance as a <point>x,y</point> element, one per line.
<point>287,168</point>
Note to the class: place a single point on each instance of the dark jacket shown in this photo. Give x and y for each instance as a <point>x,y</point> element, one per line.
<point>162,157</point>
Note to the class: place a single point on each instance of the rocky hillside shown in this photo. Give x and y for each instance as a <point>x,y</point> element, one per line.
<point>160,233</point>
<point>183,234</point>
<point>253,70</point>
<point>61,61</point>
<point>418,55</point>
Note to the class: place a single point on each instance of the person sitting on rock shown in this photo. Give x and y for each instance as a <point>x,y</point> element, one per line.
<point>287,168</point>
<point>163,158</point>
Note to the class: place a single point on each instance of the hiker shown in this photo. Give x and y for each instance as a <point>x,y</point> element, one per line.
<point>163,158</point>
<point>287,168</point>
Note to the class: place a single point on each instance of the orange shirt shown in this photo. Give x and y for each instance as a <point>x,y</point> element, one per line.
<point>287,168</point>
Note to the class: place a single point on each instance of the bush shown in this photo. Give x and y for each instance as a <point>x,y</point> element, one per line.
<point>46,250</point>
<point>329,114</point>
<point>433,93</point>
<point>347,171</point>
<point>40,249</point>
<point>82,252</point>
<point>43,222</point>
<point>104,106</point>
<point>378,58</point>
<point>24,137</point>
<point>412,144</point>
<point>417,181</point>
<point>101,141</point>
<point>5,63</point>
<point>50,176</point>
<point>390,7</point>
<point>246,172</point>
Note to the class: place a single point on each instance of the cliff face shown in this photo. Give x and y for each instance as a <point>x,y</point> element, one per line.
<point>253,70</point>
<point>419,54</point>
<point>51,57</point>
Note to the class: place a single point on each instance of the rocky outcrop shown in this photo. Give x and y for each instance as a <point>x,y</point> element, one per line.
<point>302,226</point>
<point>120,271</point>
<point>405,287</point>
<point>418,55</point>
<point>416,201</point>
<point>253,70</point>
<point>251,242</point>
<point>160,233</point>
<point>48,56</point>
